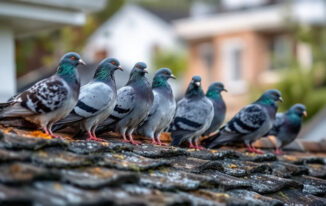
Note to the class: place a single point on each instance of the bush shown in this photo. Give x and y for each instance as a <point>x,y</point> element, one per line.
<point>176,61</point>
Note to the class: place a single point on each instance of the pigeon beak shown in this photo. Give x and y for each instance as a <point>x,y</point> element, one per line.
<point>145,71</point>
<point>225,90</point>
<point>305,113</point>
<point>172,76</point>
<point>120,68</point>
<point>81,62</point>
<point>197,83</point>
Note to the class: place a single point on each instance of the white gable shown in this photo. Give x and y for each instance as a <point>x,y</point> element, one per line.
<point>130,35</point>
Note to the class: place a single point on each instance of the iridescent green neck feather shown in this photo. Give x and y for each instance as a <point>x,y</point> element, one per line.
<point>68,72</point>
<point>102,74</point>
<point>159,82</point>
<point>265,100</point>
<point>214,94</point>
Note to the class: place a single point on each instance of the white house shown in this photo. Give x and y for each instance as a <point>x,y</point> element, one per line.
<point>131,35</point>
<point>26,17</point>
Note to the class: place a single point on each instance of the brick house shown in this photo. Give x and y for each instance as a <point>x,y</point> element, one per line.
<point>245,47</point>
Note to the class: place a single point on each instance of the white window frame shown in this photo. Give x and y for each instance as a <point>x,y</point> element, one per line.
<point>228,47</point>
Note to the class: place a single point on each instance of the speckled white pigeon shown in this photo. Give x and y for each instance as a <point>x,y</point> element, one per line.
<point>96,99</point>
<point>133,105</point>
<point>250,124</point>
<point>49,100</point>
<point>163,109</point>
<point>193,115</point>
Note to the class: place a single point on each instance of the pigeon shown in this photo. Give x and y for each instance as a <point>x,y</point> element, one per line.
<point>193,116</point>
<point>49,100</point>
<point>134,102</point>
<point>96,99</point>
<point>250,124</point>
<point>287,126</point>
<point>214,95</point>
<point>163,109</point>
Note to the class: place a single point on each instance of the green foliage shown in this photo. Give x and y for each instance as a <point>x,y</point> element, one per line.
<point>298,86</point>
<point>176,61</point>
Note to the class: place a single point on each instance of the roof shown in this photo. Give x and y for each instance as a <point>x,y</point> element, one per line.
<point>41,171</point>
<point>30,16</point>
<point>262,18</point>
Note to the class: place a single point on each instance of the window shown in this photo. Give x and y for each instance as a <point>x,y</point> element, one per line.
<point>206,51</point>
<point>236,64</point>
<point>232,65</point>
<point>281,52</point>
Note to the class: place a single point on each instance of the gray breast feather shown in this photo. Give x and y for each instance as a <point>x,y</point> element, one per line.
<point>156,102</point>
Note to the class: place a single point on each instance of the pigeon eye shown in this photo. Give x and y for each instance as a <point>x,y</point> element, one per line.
<point>73,58</point>
<point>114,63</point>
<point>138,66</point>
<point>165,73</point>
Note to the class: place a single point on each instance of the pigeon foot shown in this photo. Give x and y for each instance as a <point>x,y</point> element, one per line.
<point>279,152</point>
<point>95,139</point>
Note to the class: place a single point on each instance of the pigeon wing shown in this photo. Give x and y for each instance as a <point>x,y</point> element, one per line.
<point>125,105</point>
<point>43,97</point>
<point>247,121</point>
<point>279,121</point>
<point>190,117</point>
<point>93,99</point>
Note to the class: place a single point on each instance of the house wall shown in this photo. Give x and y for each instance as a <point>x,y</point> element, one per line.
<point>131,35</point>
<point>7,66</point>
<point>254,61</point>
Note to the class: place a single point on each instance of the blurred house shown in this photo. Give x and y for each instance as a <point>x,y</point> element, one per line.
<point>245,43</point>
<point>20,18</point>
<point>133,34</point>
<point>315,129</point>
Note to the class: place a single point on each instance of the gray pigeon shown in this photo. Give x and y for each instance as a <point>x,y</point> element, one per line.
<point>96,99</point>
<point>49,100</point>
<point>250,124</point>
<point>214,95</point>
<point>133,105</point>
<point>163,109</point>
<point>193,116</point>
<point>287,126</point>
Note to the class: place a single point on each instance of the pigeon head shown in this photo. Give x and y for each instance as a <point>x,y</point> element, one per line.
<point>196,81</point>
<point>215,89</point>
<point>194,89</point>
<point>299,109</point>
<point>114,62</point>
<point>72,58</point>
<point>67,68</point>
<point>270,97</point>
<point>138,72</point>
<point>106,68</point>
<point>140,68</point>
<point>161,77</point>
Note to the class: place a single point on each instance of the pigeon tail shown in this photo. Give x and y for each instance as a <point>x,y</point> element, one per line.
<point>177,140</point>
<point>3,106</point>
<point>217,140</point>
<point>211,141</point>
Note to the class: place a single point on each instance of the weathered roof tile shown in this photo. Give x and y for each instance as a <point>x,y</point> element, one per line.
<point>40,171</point>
